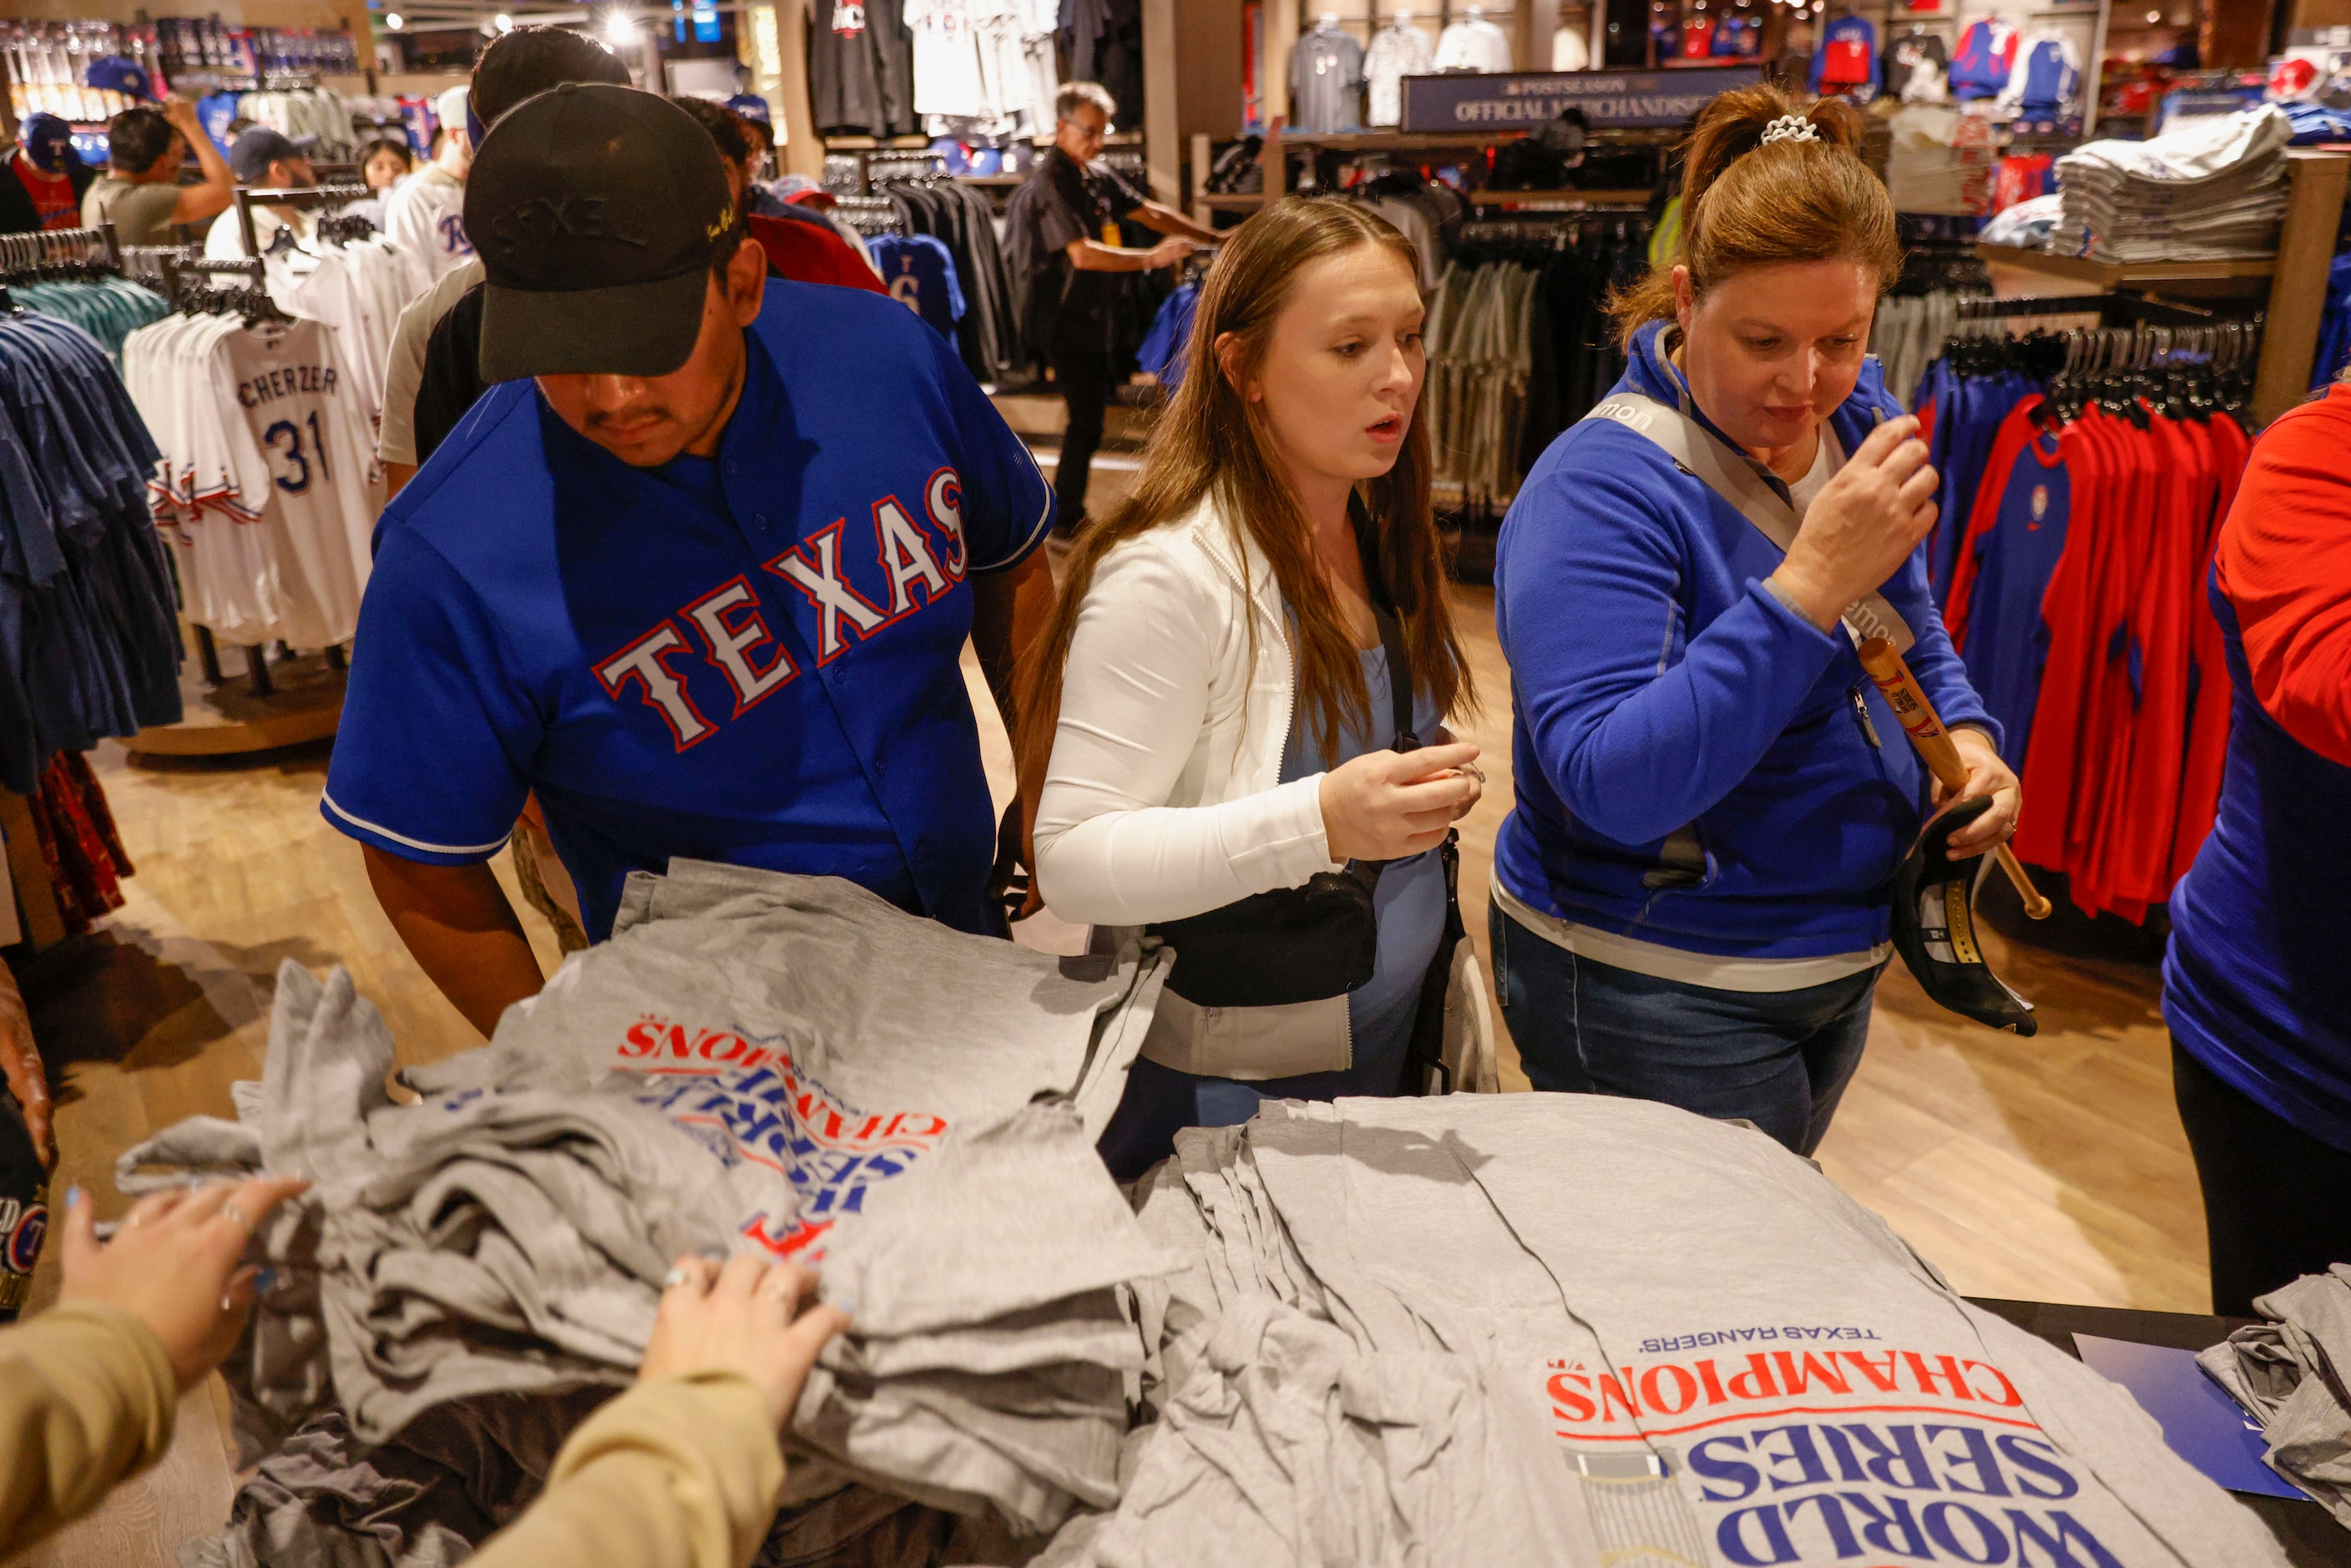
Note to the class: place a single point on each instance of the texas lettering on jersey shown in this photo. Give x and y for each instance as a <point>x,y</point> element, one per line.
<point>727,628</point>
<point>1800,1447</point>
<point>746,1100</point>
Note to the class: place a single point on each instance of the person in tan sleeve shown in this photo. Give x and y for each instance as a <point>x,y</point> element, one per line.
<point>680,1471</point>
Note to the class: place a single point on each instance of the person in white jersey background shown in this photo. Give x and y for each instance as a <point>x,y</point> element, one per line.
<point>427,215</point>
<point>264,159</point>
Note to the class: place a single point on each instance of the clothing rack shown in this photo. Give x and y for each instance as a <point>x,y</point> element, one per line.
<point>870,215</point>
<point>301,198</point>
<point>153,264</point>
<point>30,254</point>
<point>2112,308</point>
<point>857,174</point>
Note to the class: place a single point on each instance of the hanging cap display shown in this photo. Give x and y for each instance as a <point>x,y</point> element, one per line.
<point>117,73</point>
<point>597,212</point>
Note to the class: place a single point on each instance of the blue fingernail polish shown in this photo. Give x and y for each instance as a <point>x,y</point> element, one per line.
<point>264,1281</point>
<point>73,1195</point>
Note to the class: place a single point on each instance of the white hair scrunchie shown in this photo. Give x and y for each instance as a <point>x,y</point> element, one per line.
<point>1788,128</point>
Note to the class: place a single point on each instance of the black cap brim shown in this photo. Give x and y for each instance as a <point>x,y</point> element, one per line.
<point>633,330</point>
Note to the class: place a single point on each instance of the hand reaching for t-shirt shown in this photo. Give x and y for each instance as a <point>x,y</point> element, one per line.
<point>750,1316</point>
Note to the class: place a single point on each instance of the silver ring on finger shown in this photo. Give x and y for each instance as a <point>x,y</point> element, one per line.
<point>233,1212</point>
<point>673,1278</point>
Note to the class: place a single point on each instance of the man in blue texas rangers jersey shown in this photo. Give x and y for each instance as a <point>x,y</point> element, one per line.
<point>698,573</point>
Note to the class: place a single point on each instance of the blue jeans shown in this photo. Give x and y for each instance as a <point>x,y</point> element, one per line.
<point>1780,1059</point>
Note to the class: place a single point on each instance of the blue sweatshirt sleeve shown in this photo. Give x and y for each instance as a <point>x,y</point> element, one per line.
<point>1635,741</point>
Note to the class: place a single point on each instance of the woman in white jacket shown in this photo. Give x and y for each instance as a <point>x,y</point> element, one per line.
<point>1209,715</point>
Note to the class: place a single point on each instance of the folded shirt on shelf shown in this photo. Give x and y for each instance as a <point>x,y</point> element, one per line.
<point>2213,190</point>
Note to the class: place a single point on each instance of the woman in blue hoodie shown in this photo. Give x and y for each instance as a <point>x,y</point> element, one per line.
<point>1692,892</point>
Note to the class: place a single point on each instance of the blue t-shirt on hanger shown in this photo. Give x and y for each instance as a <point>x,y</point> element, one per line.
<point>920,272</point>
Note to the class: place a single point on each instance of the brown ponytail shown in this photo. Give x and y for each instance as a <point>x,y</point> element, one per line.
<point>1746,204</point>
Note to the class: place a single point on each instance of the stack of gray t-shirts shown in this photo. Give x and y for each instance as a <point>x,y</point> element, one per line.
<point>2212,190</point>
<point>753,1059</point>
<point>1495,1329</point>
<point>2292,1374</point>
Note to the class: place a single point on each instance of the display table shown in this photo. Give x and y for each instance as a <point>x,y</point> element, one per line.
<point>2309,1533</point>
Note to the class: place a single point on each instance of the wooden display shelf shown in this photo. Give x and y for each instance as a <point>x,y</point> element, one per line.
<point>2107,274</point>
<point>228,720</point>
<point>1380,141</point>
<point>1589,198</point>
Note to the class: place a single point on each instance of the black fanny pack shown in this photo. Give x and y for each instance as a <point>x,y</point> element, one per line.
<point>1295,944</point>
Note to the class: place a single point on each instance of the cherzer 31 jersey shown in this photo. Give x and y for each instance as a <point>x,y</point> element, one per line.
<point>267,491</point>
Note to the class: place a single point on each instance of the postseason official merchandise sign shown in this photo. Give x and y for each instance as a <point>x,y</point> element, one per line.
<point>1525,99</point>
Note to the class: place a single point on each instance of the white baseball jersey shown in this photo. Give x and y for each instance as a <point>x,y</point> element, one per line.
<point>268,489</point>
<point>427,216</point>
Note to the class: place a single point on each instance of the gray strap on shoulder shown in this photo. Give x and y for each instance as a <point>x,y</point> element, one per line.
<point>1730,476</point>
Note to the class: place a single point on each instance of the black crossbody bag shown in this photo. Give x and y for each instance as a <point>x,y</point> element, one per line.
<point>1297,944</point>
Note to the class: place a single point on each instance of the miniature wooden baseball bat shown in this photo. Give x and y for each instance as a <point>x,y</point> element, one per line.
<point>1925,728</point>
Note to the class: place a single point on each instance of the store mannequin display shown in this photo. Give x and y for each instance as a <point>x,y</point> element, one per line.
<point>1326,79</point>
<point>141,194</point>
<point>1473,43</point>
<point>2255,990</point>
<point>1062,243</point>
<point>1690,891</point>
<point>42,178</point>
<point>1161,795</point>
<point>679,421</point>
<point>1399,50</point>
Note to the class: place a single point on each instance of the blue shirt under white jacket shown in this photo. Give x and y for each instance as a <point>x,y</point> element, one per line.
<point>1657,683</point>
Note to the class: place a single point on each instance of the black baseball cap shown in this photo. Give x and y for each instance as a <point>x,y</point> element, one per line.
<point>597,212</point>
<point>251,154</point>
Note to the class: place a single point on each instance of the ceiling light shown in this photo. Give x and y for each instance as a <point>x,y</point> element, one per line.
<point>620,28</point>
<point>504,23</point>
<point>394,20</point>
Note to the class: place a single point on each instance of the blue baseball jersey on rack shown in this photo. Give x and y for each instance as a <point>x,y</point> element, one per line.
<point>920,271</point>
<point>752,659</point>
<point>1987,51</point>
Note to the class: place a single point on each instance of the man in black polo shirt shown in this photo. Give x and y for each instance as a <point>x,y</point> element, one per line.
<point>1064,245</point>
